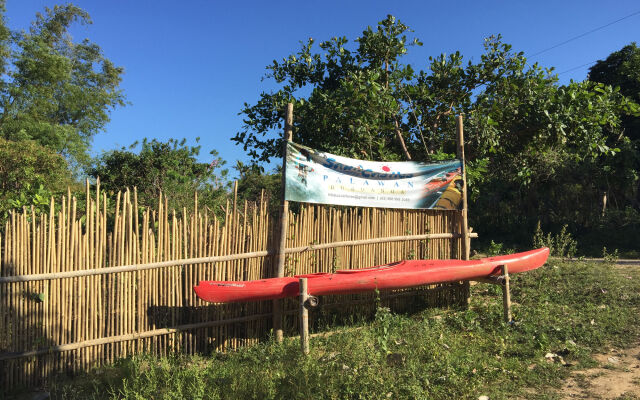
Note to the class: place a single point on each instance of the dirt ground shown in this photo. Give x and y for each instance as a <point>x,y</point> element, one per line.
<point>617,376</point>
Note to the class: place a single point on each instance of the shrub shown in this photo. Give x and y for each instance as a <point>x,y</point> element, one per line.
<point>560,245</point>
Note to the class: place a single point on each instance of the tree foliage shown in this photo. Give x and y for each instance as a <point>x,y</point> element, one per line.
<point>29,175</point>
<point>354,94</point>
<point>536,150</point>
<point>621,69</point>
<point>253,184</point>
<point>170,168</point>
<point>53,90</point>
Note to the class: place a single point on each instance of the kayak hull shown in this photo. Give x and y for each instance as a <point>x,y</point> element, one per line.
<point>399,275</point>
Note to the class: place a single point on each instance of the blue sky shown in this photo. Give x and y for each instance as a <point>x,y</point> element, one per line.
<point>190,67</point>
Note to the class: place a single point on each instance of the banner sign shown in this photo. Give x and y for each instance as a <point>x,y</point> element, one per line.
<point>317,177</point>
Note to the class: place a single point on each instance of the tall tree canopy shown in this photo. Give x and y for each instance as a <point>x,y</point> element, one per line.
<point>366,102</point>
<point>354,92</point>
<point>536,149</point>
<point>621,69</point>
<point>53,90</point>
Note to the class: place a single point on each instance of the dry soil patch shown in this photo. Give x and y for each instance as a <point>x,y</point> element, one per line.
<point>618,375</point>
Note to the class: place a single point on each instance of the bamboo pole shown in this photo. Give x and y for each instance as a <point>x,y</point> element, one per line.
<point>465,224</point>
<point>225,258</point>
<point>283,224</point>
<point>506,294</point>
<point>304,316</point>
<point>128,337</point>
<point>464,228</point>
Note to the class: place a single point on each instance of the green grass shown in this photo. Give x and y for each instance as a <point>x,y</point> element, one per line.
<point>571,309</point>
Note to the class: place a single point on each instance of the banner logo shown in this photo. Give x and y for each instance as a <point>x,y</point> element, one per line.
<point>317,177</point>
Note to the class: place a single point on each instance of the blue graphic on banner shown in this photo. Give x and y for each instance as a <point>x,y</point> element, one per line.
<point>317,177</point>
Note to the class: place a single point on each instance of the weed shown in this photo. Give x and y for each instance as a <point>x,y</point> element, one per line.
<point>335,263</point>
<point>560,245</point>
<point>383,325</point>
<point>496,249</point>
<point>611,258</point>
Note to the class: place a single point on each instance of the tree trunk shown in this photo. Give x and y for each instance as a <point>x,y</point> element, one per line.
<point>401,139</point>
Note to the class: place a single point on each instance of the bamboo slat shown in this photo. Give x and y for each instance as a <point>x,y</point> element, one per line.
<point>213,259</point>
<point>92,281</point>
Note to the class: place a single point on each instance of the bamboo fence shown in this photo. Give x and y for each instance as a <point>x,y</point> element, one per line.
<point>79,289</point>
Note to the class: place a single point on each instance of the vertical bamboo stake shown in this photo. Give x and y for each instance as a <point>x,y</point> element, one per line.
<point>465,223</point>
<point>284,221</point>
<point>506,294</point>
<point>3,304</point>
<point>464,229</point>
<point>62,264</point>
<point>89,305</point>
<point>304,316</point>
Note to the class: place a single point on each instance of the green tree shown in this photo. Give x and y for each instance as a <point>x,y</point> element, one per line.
<point>53,90</point>
<point>29,175</point>
<point>622,69</point>
<point>553,152</point>
<point>170,168</point>
<point>354,94</point>
<point>535,149</point>
<point>254,183</point>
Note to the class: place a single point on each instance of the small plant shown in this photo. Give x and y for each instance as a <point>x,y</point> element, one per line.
<point>610,257</point>
<point>561,245</point>
<point>495,249</point>
<point>289,266</point>
<point>335,263</point>
<point>376,298</point>
<point>383,326</point>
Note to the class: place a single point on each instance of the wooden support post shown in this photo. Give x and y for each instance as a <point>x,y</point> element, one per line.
<point>304,317</point>
<point>464,228</point>
<point>502,280</point>
<point>283,225</point>
<point>506,294</point>
<point>464,223</point>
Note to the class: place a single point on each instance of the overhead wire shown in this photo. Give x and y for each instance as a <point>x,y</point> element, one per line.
<point>585,33</point>
<point>578,67</point>
<point>581,36</point>
<point>593,30</point>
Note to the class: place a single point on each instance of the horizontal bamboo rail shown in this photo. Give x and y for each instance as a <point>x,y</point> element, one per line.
<point>95,280</point>
<point>123,338</point>
<point>213,259</point>
<point>188,327</point>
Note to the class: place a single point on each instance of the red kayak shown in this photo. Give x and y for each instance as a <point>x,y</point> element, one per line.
<point>399,275</point>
